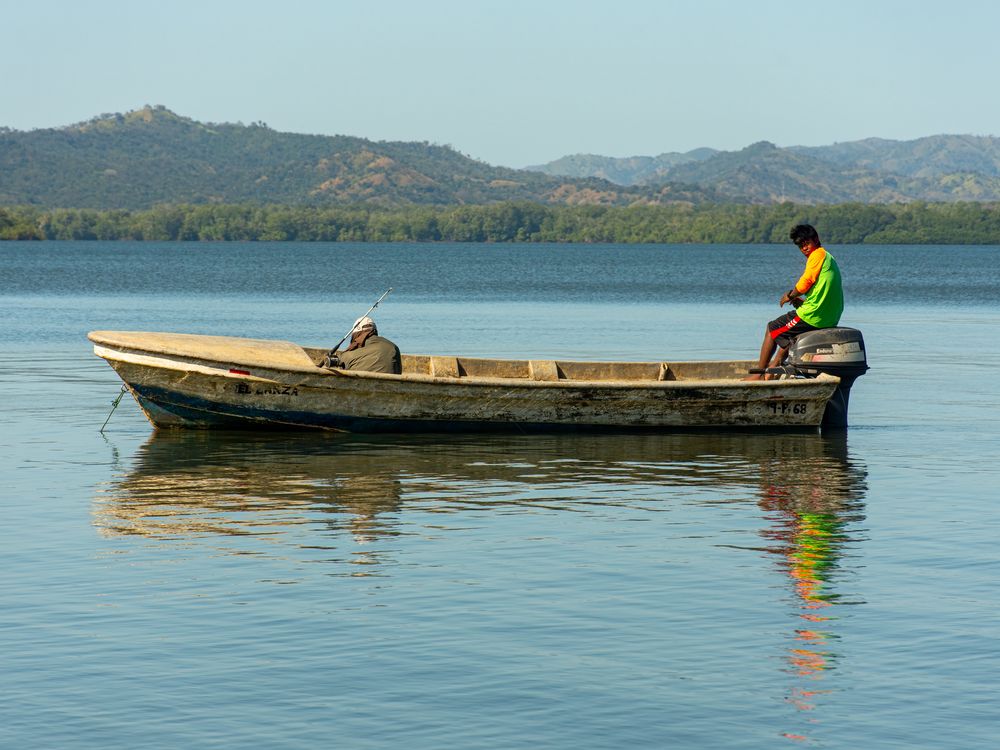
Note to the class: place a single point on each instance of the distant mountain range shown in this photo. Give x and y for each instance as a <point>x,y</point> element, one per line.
<point>875,170</point>
<point>630,170</point>
<point>153,156</point>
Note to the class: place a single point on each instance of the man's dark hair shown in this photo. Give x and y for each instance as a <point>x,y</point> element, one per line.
<point>802,233</point>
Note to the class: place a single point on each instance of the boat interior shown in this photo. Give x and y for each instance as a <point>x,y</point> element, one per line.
<point>557,370</point>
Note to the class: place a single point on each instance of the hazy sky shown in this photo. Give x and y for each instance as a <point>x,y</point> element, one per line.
<point>516,82</point>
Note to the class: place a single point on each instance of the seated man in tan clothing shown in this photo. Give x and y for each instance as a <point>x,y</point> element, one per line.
<point>368,351</point>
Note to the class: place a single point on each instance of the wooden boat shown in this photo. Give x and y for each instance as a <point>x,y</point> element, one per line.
<point>185,380</point>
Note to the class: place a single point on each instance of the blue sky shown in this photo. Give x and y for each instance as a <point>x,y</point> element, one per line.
<point>516,82</point>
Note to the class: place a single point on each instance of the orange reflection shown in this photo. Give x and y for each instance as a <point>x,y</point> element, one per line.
<point>811,500</point>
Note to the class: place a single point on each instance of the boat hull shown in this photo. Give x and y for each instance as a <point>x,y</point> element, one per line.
<point>281,390</point>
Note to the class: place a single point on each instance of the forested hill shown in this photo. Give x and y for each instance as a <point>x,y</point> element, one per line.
<point>153,156</point>
<point>940,168</point>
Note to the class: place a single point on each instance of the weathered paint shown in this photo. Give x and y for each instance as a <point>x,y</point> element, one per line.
<point>202,381</point>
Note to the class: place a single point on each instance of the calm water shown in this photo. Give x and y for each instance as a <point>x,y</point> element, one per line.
<point>238,590</point>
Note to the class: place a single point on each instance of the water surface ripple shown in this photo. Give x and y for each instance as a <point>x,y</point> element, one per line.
<point>210,589</point>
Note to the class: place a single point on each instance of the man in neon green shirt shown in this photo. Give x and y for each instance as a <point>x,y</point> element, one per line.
<point>818,299</point>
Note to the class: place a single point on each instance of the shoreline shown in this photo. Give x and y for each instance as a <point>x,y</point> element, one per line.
<point>512,223</point>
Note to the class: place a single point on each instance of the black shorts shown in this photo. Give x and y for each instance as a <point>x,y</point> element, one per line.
<point>783,330</point>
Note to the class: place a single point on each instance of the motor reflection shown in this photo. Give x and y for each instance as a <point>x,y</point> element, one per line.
<point>814,503</point>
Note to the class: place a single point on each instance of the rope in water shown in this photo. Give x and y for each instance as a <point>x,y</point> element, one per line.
<point>114,405</point>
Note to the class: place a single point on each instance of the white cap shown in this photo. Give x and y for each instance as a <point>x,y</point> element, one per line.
<point>361,323</point>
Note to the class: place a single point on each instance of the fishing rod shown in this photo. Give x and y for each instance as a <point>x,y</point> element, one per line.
<point>377,303</point>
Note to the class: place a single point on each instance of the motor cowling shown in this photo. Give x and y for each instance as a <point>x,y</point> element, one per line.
<point>835,351</point>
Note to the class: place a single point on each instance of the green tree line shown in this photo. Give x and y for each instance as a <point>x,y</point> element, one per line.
<point>852,223</point>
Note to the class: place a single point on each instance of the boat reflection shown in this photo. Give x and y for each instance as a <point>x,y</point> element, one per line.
<point>345,498</point>
<point>186,484</point>
<point>191,482</point>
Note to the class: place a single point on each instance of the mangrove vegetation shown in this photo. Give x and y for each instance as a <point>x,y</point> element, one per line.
<point>852,223</point>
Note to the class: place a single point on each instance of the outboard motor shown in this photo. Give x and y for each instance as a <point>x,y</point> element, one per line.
<point>836,351</point>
